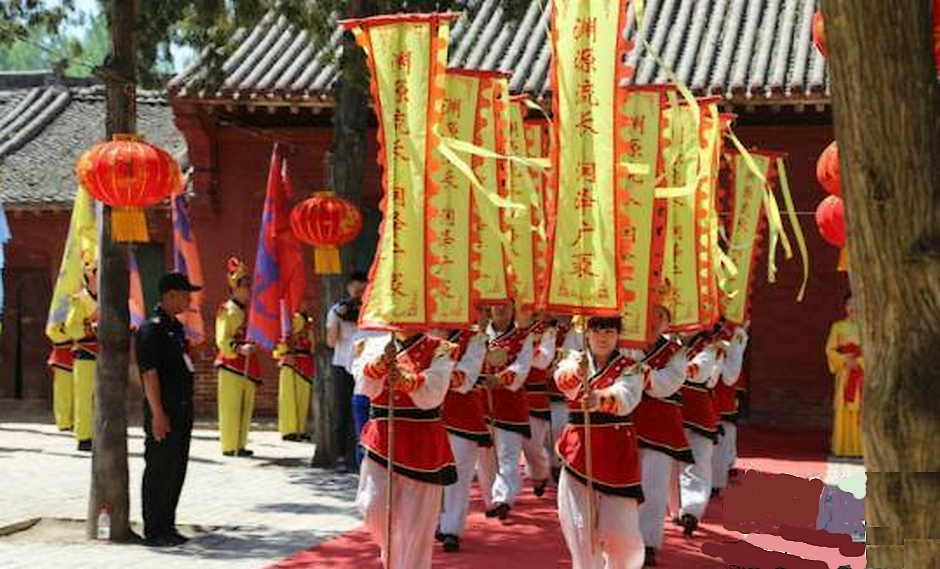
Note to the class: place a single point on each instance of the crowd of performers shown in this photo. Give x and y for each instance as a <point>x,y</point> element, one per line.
<point>468,404</point>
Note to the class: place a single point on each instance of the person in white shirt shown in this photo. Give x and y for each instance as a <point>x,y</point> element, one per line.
<point>352,411</point>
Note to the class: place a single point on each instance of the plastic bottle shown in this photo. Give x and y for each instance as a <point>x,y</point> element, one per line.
<point>104,524</point>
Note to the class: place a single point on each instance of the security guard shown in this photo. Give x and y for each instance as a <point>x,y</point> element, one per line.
<point>167,373</point>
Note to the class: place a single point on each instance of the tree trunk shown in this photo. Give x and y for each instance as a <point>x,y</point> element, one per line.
<point>885,102</point>
<point>347,157</point>
<point>109,474</point>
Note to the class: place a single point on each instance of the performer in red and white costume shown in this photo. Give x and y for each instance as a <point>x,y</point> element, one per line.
<point>615,391</point>
<point>568,338</point>
<point>726,403</point>
<point>701,424</point>
<point>419,369</point>
<point>660,434</point>
<point>506,366</point>
<point>466,426</point>
<point>540,414</point>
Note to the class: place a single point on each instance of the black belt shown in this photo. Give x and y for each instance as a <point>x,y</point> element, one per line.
<point>577,418</point>
<point>378,412</point>
<point>537,388</point>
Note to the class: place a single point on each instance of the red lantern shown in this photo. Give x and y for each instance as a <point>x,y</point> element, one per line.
<point>830,219</point>
<point>326,222</point>
<point>819,32</point>
<point>128,174</point>
<point>828,171</point>
<point>936,34</point>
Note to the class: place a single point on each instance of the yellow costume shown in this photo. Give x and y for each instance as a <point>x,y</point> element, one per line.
<point>295,358</point>
<point>61,363</point>
<point>238,375</point>
<point>81,326</point>
<point>843,342</point>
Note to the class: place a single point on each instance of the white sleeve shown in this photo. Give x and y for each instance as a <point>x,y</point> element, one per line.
<point>331,317</point>
<point>627,390</point>
<point>545,353</point>
<point>520,368</point>
<point>568,366</point>
<point>574,341</point>
<point>704,361</point>
<point>712,380</point>
<point>471,363</point>
<point>734,358</point>
<point>364,351</point>
<point>666,381</point>
<point>436,383</point>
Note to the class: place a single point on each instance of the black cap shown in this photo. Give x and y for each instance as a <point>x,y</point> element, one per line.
<point>176,281</point>
<point>605,323</point>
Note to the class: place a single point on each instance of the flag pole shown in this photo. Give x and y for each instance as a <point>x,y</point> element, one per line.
<point>588,456</point>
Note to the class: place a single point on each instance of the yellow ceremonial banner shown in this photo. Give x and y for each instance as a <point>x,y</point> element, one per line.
<point>449,243</point>
<point>691,147</point>
<point>747,198</point>
<point>537,140</point>
<point>587,68</point>
<point>491,272</point>
<point>81,248</point>
<point>526,225</point>
<point>407,57</point>
<point>641,247</point>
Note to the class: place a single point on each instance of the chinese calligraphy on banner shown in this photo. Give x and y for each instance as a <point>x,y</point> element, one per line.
<point>407,57</point>
<point>588,55</point>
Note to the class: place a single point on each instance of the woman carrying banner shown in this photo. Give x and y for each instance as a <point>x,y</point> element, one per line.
<point>236,362</point>
<point>612,538</point>
<point>294,357</point>
<point>414,371</point>
<point>726,403</point>
<point>81,325</point>
<point>844,353</point>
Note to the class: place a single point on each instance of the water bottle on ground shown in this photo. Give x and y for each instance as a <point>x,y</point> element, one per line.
<point>104,524</point>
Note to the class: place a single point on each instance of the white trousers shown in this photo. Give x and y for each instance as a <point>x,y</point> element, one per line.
<point>619,544</point>
<point>725,455</point>
<point>457,496</point>
<point>696,479</point>
<point>657,483</point>
<point>486,473</point>
<point>415,510</point>
<point>536,457</point>
<point>508,481</point>
<point>559,420</point>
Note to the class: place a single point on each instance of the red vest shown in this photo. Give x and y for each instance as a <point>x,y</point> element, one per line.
<point>464,413</point>
<point>422,451</point>
<point>61,356</point>
<point>536,383</point>
<point>301,348</point>
<point>237,364</point>
<point>510,410</point>
<point>659,421</point>
<point>615,463</point>
<point>726,401</point>
<point>698,406</point>
<point>86,348</point>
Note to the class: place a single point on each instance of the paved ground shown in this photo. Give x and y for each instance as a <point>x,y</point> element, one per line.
<point>241,512</point>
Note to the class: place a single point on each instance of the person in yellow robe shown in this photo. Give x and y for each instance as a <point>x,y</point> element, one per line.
<point>60,364</point>
<point>295,359</point>
<point>81,325</point>
<point>844,353</point>
<point>236,362</point>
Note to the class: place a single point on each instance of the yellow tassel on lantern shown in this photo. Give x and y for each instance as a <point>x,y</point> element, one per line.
<point>326,261</point>
<point>843,260</point>
<point>129,225</point>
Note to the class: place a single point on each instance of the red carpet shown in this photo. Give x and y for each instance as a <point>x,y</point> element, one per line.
<point>531,537</point>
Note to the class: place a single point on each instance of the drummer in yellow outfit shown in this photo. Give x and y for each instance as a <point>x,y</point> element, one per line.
<point>81,325</point>
<point>237,363</point>
<point>843,350</point>
<point>295,358</point>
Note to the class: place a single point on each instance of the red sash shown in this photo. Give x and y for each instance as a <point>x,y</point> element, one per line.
<point>303,364</point>
<point>61,356</point>
<point>237,364</point>
<point>86,348</point>
<point>853,384</point>
<point>615,463</point>
<point>464,413</point>
<point>510,410</point>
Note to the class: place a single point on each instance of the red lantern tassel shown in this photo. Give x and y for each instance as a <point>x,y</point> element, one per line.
<point>326,261</point>
<point>843,260</point>
<point>129,225</point>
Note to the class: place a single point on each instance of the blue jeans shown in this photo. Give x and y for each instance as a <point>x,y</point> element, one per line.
<point>360,410</point>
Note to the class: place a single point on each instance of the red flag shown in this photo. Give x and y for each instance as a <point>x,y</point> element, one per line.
<point>135,302</point>
<point>279,272</point>
<point>186,261</point>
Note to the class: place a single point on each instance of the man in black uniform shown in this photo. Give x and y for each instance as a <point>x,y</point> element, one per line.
<point>167,374</point>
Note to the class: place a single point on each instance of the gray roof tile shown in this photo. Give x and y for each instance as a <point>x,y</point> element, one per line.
<point>760,49</point>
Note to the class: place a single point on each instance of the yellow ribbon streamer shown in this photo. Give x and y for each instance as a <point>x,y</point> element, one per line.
<point>470,148</point>
<point>795,224</point>
<point>466,170</point>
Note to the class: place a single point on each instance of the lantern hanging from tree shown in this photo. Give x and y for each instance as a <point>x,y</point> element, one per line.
<point>830,219</point>
<point>819,32</point>
<point>128,174</point>
<point>327,222</point>
<point>827,170</point>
